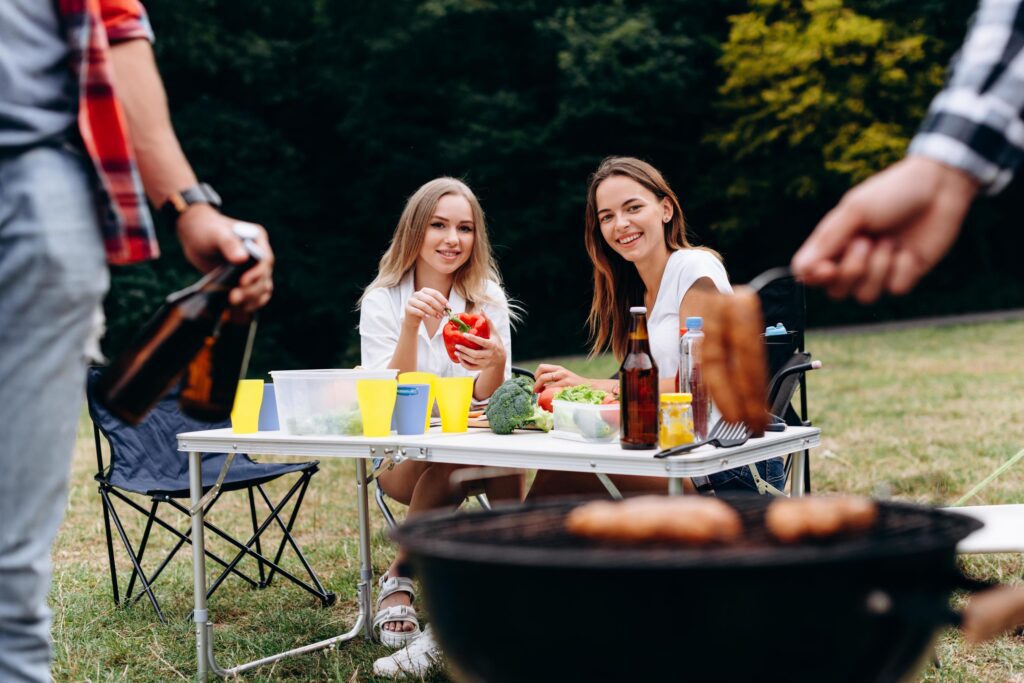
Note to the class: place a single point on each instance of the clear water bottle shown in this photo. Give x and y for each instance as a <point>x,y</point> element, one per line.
<point>691,374</point>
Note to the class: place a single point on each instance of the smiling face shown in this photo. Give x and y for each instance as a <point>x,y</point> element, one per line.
<point>449,236</point>
<point>632,219</point>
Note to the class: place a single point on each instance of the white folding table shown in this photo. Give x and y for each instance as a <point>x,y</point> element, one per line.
<point>524,450</point>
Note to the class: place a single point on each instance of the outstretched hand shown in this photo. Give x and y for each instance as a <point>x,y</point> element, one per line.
<point>888,232</point>
<point>555,376</point>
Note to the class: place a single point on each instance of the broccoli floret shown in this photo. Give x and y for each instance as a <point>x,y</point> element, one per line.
<point>514,405</point>
<point>510,405</point>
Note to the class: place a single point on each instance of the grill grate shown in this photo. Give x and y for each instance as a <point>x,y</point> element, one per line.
<point>536,534</point>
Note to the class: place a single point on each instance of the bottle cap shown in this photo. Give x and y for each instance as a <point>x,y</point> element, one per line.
<point>694,322</point>
<point>776,329</point>
<point>638,309</point>
<point>676,398</point>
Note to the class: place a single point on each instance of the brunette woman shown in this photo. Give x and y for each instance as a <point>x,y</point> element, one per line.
<point>635,236</point>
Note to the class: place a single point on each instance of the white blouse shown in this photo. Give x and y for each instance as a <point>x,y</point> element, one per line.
<point>684,268</point>
<point>380,323</point>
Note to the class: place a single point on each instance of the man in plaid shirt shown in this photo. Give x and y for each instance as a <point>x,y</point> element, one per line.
<point>78,159</point>
<point>889,231</point>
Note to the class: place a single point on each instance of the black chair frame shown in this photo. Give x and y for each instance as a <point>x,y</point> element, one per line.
<point>267,568</point>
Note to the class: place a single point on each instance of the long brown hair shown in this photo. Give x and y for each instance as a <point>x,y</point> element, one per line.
<point>617,283</point>
<point>471,278</point>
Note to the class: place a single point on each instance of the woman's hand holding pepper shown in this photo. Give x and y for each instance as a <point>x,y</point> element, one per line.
<point>555,376</point>
<point>425,304</point>
<point>491,354</point>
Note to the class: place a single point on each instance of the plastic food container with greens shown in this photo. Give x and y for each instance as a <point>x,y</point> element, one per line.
<point>582,414</point>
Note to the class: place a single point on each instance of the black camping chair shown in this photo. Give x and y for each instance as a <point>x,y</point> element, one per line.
<point>144,460</point>
<point>382,500</point>
<point>783,301</point>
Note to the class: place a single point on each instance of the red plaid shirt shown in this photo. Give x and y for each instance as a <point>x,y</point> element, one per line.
<point>91,26</point>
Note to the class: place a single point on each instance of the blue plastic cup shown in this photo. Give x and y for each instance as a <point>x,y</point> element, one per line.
<point>411,408</point>
<point>268,410</point>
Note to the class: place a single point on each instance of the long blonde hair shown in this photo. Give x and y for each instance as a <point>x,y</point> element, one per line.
<point>617,283</point>
<point>470,280</point>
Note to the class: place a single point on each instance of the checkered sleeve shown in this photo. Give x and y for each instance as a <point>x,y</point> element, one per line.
<point>125,20</point>
<point>975,123</point>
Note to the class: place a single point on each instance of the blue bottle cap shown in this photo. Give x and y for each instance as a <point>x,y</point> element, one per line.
<point>774,330</point>
<point>694,322</point>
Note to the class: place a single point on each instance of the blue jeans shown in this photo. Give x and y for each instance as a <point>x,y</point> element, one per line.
<point>772,471</point>
<point>53,277</point>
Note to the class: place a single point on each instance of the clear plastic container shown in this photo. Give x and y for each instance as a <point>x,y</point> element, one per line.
<point>321,402</point>
<point>586,421</point>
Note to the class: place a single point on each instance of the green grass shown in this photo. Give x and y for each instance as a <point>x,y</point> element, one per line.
<point>918,415</point>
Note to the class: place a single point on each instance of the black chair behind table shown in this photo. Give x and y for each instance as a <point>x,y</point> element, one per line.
<point>144,461</point>
<point>783,301</point>
<point>382,500</point>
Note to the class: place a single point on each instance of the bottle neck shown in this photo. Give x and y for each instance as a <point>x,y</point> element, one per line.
<point>219,281</point>
<point>638,339</point>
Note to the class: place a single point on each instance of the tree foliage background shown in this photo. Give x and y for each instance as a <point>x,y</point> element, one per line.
<point>319,118</point>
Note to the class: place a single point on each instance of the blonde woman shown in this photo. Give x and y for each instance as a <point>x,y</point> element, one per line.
<point>635,236</point>
<point>439,258</point>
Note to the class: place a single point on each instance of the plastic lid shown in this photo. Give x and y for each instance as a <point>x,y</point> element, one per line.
<point>694,322</point>
<point>332,373</point>
<point>638,309</point>
<point>676,398</point>
<point>776,329</point>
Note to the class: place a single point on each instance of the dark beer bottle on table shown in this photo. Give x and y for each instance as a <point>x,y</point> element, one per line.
<point>147,369</point>
<point>638,387</point>
<point>211,379</point>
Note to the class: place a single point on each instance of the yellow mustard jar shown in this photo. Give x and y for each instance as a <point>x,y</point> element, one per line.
<point>675,423</point>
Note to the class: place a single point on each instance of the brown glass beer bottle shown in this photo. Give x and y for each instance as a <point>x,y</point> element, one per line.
<point>212,377</point>
<point>638,387</point>
<point>144,372</point>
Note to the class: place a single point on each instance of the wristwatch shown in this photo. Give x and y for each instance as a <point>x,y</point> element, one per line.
<point>178,202</point>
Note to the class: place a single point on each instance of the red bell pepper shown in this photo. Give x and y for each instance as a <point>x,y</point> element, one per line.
<point>458,325</point>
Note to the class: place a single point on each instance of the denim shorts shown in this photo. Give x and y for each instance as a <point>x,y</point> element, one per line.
<point>772,471</point>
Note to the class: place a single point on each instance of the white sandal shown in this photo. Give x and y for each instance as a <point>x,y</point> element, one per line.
<point>396,613</point>
<point>413,661</point>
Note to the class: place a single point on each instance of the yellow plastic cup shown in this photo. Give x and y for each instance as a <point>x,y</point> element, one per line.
<point>422,378</point>
<point>454,395</point>
<point>376,403</point>
<point>245,413</point>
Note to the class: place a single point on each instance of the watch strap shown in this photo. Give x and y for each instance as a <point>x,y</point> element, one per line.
<point>179,202</point>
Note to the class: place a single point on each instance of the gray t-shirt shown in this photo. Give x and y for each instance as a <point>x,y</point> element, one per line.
<point>38,93</point>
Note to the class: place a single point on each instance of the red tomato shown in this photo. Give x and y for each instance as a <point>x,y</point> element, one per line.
<point>546,396</point>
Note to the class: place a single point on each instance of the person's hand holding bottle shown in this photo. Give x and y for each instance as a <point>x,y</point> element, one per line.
<point>208,238</point>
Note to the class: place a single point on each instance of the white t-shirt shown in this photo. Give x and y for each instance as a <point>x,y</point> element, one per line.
<point>380,322</point>
<point>684,268</point>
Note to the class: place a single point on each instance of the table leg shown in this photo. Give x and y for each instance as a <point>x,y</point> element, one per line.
<point>199,613</point>
<point>205,660</point>
<point>609,485</point>
<point>675,486</point>
<point>365,566</point>
<point>797,474</point>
